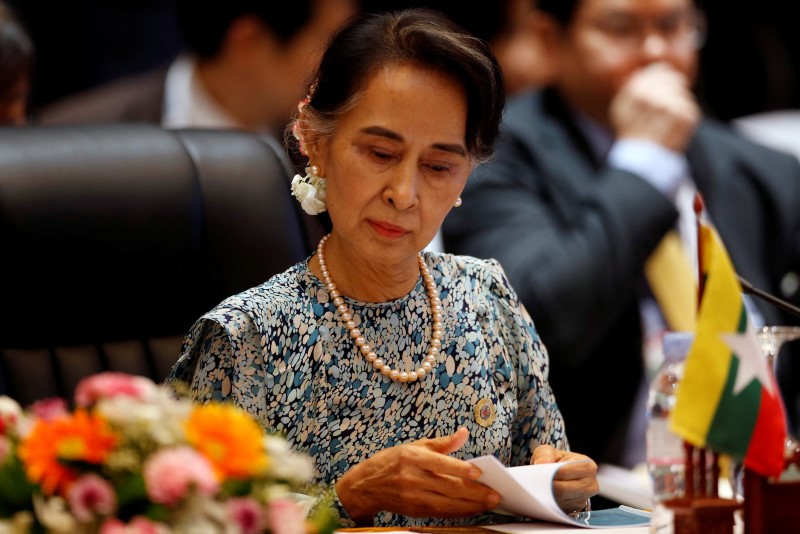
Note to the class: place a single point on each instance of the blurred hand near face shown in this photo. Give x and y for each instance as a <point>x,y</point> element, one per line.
<point>656,104</point>
<point>574,483</point>
<point>416,479</point>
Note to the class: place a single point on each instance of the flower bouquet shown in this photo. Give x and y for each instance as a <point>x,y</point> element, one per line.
<point>133,458</point>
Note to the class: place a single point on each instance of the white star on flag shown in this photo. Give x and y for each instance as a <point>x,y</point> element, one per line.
<point>752,362</point>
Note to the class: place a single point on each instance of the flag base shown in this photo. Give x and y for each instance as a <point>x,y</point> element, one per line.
<point>703,515</point>
<point>770,506</point>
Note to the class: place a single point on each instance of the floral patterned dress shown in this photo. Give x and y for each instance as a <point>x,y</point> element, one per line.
<point>281,352</point>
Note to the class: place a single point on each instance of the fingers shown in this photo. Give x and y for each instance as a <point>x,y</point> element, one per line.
<point>547,454</point>
<point>544,454</point>
<point>573,483</point>
<point>656,104</point>
<point>571,495</point>
<point>582,469</point>
<point>439,462</point>
<point>447,444</point>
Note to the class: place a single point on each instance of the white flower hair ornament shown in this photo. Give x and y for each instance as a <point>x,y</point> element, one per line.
<point>310,190</point>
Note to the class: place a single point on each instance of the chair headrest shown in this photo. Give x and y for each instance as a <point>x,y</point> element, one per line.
<point>131,231</point>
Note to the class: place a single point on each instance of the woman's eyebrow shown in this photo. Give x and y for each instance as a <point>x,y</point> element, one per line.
<point>394,136</point>
<point>383,132</point>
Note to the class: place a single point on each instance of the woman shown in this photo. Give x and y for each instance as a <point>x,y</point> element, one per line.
<point>386,366</point>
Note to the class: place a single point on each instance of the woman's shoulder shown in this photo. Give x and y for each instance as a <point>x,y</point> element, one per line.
<point>458,265</point>
<point>281,291</point>
<point>484,273</point>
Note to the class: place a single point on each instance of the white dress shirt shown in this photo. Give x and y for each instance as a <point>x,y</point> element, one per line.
<point>187,103</point>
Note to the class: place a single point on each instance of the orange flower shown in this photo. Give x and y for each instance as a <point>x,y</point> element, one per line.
<point>78,437</point>
<point>231,440</point>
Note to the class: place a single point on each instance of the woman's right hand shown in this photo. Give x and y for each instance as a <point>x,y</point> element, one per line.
<point>416,479</point>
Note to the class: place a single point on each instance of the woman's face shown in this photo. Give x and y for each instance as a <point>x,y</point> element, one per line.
<point>396,163</point>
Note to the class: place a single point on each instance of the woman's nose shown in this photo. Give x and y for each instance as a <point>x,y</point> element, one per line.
<point>402,189</point>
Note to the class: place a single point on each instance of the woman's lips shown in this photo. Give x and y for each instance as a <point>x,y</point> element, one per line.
<point>388,230</point>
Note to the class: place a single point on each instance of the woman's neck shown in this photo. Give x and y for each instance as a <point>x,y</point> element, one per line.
<point>360,279</point>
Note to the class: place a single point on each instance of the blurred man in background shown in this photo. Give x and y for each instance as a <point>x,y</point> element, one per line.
<point>244,67</point>
<point>596,174</point>
<point>507,25</point>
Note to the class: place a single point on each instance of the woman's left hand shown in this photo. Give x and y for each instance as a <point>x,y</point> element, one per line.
<point>574,484</point>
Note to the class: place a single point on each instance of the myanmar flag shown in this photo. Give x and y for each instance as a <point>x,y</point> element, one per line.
<point>728,400</point>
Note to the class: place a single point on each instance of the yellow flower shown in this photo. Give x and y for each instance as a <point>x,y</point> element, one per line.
<point>231,440</point>
<point>78,437</point>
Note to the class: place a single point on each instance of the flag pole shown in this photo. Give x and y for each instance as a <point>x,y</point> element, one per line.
<point>698,212</point>
<point>714,475</point>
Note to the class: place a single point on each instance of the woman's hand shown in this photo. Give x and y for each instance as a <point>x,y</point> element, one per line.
<point>416,479</point>
<point>574,484</point>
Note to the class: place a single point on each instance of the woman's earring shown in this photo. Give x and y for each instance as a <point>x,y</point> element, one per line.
<point>310,190</point>
<point>457,203</point>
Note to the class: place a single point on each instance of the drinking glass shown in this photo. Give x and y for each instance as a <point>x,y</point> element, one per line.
<point>771,339</point>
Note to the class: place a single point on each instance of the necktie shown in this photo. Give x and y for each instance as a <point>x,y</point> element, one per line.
<point>672,282</point>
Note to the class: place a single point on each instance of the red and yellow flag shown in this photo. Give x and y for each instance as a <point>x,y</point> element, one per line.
<point>728,400</point>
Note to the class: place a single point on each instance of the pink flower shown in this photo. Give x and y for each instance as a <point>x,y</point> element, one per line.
<point>139,525</point>
<point>285,517</point>
<point>112,384</point>
<point>170,474</point>
<point>246,514</point>
<point>48,409</point>
<point>91,495</point>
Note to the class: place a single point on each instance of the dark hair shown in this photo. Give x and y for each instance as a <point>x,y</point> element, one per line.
<point>488,22</point>
<point>561,10</point>
<point>204,23</point>
<point>16,50</point>
<point>417,36</point>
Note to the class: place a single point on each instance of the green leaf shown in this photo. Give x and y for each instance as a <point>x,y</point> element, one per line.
<point>237,488</point>
<point>15,490</point>
<point>132,496</point>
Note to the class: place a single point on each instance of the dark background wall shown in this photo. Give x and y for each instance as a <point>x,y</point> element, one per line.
<point>81,43</point>
<point>751,61</point>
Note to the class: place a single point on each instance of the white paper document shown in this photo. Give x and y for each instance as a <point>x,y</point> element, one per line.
<point>631,487</point>
<point>527,491</point>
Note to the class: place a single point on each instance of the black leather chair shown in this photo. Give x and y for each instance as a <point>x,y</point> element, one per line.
<point>115,238</point>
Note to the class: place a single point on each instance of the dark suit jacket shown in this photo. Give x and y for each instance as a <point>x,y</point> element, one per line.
<point>573,237</point>
<point>138,98</point>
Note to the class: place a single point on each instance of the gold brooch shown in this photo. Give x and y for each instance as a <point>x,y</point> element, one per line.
<point>484,412</point>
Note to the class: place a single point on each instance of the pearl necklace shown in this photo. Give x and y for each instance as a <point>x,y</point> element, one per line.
<point>347,316</point>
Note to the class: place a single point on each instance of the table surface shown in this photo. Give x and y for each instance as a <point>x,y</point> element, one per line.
<point>515,528</point>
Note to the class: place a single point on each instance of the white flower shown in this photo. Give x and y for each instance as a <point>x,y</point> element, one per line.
<point>161,417</point>
<point>202,515</point>
<point>292,466</point>
<point>20,523</point>
<point>310,190</point>
<point>54,515</point>
<point>10,414</point>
